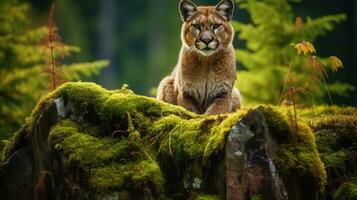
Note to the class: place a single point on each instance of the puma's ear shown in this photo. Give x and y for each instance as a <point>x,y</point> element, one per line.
<point>187,9</point>
<point>226,8</point>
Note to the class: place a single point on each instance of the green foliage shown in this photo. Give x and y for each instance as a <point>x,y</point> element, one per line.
<point>347,191</point>
<point>22,60</point>
<point>268,53</point>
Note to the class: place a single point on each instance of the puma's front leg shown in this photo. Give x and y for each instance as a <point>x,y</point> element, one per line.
<point>187,102</point>
<point>220,105</point>
<point>166,91</point>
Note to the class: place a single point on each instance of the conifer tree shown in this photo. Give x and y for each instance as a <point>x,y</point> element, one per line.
<point>22,60</point>
<point>268,53</point>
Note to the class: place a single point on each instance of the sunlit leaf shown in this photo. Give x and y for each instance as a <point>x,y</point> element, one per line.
<point>336,63</point>
<point>305,48</point>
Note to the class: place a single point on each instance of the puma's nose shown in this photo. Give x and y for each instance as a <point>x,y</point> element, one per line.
<point>206,39</point>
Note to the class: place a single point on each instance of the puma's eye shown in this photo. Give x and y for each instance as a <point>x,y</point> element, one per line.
<point>197,26</point>
<point>216,26</point>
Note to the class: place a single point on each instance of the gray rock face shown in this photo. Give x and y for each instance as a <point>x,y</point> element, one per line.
<point>28,160</point>
<point>249,164</point>
<point>18,177</point>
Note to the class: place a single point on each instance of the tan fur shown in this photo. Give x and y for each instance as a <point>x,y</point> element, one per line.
<point>203,80</point>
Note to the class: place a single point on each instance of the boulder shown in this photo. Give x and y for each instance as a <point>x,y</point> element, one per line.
<point>85,142</point>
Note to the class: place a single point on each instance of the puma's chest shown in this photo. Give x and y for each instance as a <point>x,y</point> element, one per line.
<point>204,91</point>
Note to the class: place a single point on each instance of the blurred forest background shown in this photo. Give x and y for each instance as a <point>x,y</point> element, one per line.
<point>141,41</point>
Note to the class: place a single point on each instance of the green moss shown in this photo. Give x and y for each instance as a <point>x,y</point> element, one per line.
<point>123,103</point>
<point>347,191</point>
<point>175,135</point>
<point>327,111</point>
<point>197,137</point>
<point>278,124</point>
<point>111,163</point>
<point>85,94</point>
<point>219,131</point>
<point>135,175</point>
<point>3,144</point>
<point>335,133</point>
<point>62,130</point>
<point>145,111</point>
<point>108,178</point>
<point>336,138</point>
<point>256,197</point>
<point>208,197</point>
<point>85,149</point>
<point>335,161</point>
<point>115,105</point>
<point>302,165</point>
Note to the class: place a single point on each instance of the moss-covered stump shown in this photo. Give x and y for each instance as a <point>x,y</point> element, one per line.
<point>84,142</point>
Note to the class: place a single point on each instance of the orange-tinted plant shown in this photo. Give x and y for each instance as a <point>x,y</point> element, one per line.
<point>55,48</point>
<point>317,73</point>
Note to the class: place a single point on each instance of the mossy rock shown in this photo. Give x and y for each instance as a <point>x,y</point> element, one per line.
<point>85,142</point>
<point>336,133</point>
<point>297,156</point>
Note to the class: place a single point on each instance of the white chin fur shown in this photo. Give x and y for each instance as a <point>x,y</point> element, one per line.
<point>213,45</point>
<point>206,52</point>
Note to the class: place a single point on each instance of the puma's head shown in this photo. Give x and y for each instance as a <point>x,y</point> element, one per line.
<point>206,29</point>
